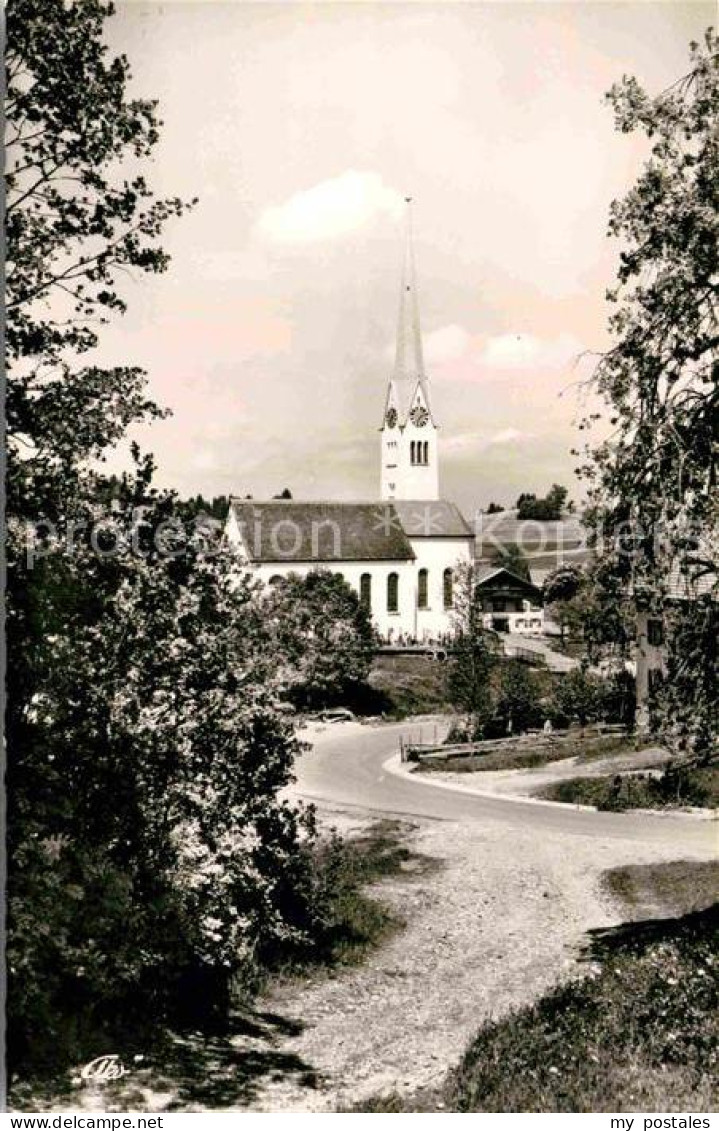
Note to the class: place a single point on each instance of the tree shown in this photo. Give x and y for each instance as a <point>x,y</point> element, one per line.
<point>591,605</point>
<point>322,636</point>
<point>151,856</point>
<point>619,695</point>
<point>564,592</point>
<point>557,498</point>
<point>655,508</point>
<point>512,558</point>
<point>74,228</point>
<point>517,702</point>
<point>578,694</point>
<point>686,702</point>
<point>542,509</point>
<point>494,508</point>
<point>147,741</point>
<point>563,583</point>
<point>197,507</point>
<point>73,224</point>
<point>473,657</point>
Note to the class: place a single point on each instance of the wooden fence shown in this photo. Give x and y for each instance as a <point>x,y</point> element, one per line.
<point>416,751</point>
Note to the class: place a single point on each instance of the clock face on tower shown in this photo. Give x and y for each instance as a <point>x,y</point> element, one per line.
<point>391,417</point>
<point>419,415</point>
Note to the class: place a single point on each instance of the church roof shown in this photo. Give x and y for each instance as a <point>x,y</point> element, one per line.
<point>287,531</point>
<point>435,518</point>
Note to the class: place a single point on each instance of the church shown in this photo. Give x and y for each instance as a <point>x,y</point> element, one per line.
<point>401,551</point>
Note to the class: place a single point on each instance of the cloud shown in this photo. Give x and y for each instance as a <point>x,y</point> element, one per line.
<point>508,436</point>
<point>330,209</point>
<point>454,354</point>
<point>466,442</point>
<point>446,344</point>
<point>524,351</point>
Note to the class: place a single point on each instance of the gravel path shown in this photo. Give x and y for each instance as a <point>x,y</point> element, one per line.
<point>499,922</point>
<point>503,921</point>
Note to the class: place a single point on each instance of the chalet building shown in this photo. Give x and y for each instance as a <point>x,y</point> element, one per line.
<point>510,603</point>
<point>401,551</point>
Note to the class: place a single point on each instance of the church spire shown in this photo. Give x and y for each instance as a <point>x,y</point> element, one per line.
<point>408,362</point>
<point>409,433</point>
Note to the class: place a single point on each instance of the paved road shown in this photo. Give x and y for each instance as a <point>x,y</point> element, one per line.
<point>345,767</point>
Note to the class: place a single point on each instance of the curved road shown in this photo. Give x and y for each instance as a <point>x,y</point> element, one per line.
<point>345,768</point>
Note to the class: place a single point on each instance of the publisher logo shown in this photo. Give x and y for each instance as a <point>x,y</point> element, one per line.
<point>104,1069</point>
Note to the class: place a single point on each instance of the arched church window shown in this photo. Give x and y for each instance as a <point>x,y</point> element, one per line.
<point>393,593</point>
<point>366,590</point>
<point>422,589</point>
<point>413,451</point>
<point>425,445</point>
<point>448,588</point>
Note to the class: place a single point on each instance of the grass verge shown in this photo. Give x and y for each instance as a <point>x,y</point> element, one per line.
<point>410,685</point>
<point>639,1033</point>
<point>524,756</point>
<point>618,792</point>
<point>349,918</point>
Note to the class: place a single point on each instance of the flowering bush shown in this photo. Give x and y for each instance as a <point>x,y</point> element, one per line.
<point>148,840</point>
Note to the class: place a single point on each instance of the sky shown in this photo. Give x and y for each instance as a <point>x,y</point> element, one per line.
<point>300,128</point>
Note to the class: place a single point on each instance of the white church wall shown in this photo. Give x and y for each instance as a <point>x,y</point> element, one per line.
<point>409,621</point>
<point>388,624</point>
<point>436,555</point>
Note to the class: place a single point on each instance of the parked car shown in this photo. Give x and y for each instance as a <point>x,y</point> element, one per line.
<point>336,715</point>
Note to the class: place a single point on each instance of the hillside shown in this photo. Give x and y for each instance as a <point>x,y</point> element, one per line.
<point>546,544</point>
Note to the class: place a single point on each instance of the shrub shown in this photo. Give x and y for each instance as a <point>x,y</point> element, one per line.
<point>576,695</point>
<point>517,698</point>
<point>322,638</point>
<point>148,845</point>
<point>678,786</point>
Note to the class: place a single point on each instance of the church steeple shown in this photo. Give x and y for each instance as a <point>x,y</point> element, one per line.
<point>408,360</point>
<point>409,434</point>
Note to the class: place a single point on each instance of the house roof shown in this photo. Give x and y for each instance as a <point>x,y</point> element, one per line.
<point>287,531</point>
<point>431,518</point>
<point>498,576</point>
